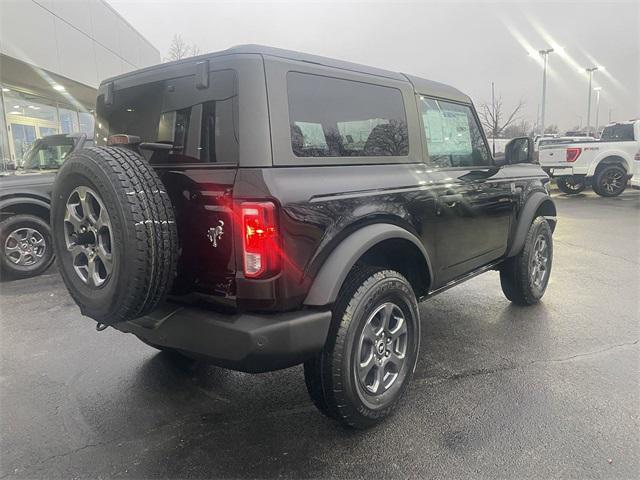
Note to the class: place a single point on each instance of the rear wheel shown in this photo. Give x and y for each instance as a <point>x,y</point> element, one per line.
<point>371,351</point>
<point>114,233</point>
<point>610,181</point>
<point>27,249</point>
<point>571,185</point>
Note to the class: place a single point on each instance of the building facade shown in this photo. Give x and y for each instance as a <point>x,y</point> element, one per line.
<point>53,56</point>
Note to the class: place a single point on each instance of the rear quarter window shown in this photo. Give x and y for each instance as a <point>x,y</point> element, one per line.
<point>332,117</point>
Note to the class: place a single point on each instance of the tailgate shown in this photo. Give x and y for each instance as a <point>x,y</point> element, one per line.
<point>553,156</point>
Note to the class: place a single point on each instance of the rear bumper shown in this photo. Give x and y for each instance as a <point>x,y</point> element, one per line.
<point>242,341</point>
<point>558,171</point>
<point>564,170</point>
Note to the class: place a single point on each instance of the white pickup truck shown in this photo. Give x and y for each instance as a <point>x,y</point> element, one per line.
<point>606,164</point>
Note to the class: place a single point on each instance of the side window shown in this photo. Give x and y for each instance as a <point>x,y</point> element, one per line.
<point>453,136</point>
<point>331,117</point>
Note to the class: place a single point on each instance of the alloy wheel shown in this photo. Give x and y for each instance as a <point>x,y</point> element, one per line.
<point>574,185</point>
<point>612,181</point>
<point>539,262</point>
<point>25,247</point>
<point>382,349</point>
<point>88,236</point>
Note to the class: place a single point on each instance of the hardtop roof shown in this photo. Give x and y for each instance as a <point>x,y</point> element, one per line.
<point>420,85</point>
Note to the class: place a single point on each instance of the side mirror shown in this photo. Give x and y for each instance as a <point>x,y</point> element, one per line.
<point>519,150</point>
<point>499,160</point>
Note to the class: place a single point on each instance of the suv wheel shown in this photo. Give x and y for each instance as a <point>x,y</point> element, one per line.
<point>26,245</point>
<point>611,181</point>
<point>571,185</point>
<point>114,233</point>
<point>524,278</point>
<point>371,351</point>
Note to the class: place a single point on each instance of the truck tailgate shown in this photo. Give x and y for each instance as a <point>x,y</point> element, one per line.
<point>553,156</point>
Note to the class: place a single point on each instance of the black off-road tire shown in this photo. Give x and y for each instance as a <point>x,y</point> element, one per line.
<point>331,376</point>
<point>516,272</point>
<point>571,185</point>
<point>605,175</point>
<point>34,229</point>
<point>142,225</point>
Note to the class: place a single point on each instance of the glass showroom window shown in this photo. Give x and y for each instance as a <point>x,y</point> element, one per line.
<point>87,123</point>
<point>68,120</point>
<point>28,117</point>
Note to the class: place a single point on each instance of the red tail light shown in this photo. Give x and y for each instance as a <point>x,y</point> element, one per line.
<point>573,153</point>
<point>260,239</point>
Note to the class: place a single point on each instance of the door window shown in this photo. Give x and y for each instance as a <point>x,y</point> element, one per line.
<point>453,136</point>
<point>332,117</point>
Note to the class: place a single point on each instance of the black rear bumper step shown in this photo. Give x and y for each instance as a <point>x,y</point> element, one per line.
<point>246,342</point>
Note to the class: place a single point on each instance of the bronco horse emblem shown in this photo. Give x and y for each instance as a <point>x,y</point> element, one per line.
<point>215,233</point>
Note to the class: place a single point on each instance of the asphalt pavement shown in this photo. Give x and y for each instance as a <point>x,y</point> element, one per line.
<point>547,391</point>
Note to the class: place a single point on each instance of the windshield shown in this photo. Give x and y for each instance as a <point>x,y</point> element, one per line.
<point>618,133</point>
<point>47,156</point>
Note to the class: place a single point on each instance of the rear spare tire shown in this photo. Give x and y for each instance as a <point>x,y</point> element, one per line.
<point>114,233</point>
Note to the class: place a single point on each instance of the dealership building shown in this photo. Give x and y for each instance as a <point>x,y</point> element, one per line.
<point>53,56</point>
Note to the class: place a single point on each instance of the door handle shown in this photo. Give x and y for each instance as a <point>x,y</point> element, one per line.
<point>451,200</point>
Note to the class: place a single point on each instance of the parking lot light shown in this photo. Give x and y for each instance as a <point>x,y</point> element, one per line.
<point>544,54</point>
<point>590,71</point>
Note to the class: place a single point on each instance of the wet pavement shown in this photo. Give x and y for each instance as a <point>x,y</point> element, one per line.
<point>547,391</point>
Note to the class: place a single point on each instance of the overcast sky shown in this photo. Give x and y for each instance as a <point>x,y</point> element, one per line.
<point>465,44</point>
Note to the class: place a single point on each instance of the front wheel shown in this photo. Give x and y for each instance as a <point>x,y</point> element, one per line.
<point>571,185</point>
<point>371,350</point>
<point>26,245</point>
<point>524,278</point>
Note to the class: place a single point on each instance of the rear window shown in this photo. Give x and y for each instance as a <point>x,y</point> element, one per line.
<point>618,133</point>
<point>331,117</point>
<point>202,124</point>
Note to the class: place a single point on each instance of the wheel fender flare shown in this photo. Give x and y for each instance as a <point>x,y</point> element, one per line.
<point>328,282</point>
<point>527,215</point>
<point>610,157</point>
<point>11,201</point>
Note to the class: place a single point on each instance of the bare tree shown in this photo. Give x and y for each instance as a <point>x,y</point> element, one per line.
<point>180,49</point>
<point>494,119</point>
<point>551,129</point>
<point>519,129</point>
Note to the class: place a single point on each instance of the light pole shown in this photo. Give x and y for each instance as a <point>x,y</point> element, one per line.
<point>590,72</point>
<point>597,90</point>
<point>545,55</point>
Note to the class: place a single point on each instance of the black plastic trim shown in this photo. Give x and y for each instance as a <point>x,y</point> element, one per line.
<point>335,269</point>
<point>246,342</point>
<point>527,216</point>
